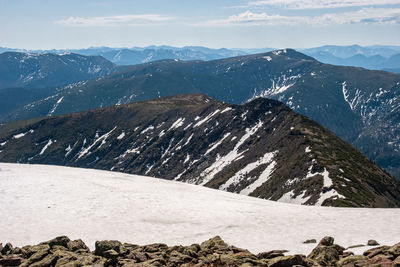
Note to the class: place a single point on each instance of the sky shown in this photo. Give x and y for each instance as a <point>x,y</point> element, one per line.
<point>62,24</point>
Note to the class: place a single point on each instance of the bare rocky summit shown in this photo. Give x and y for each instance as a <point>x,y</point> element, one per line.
<point>61,251</point>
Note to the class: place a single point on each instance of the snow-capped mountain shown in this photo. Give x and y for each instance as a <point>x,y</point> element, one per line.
<point>261,149</point>
<point>42,70</point>
<point>361,106</point>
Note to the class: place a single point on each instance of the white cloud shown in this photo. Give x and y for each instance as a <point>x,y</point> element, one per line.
<point>365,15</point>
<point>318,4</point>
<point>110,21</point>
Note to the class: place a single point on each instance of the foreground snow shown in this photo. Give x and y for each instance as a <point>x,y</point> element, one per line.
<point>40,202</point>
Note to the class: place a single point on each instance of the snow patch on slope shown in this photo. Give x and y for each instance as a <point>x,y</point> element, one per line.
<point>39,202</point>
<point>221,162</point>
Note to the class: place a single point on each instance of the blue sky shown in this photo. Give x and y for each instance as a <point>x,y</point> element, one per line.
<point>47,24</point>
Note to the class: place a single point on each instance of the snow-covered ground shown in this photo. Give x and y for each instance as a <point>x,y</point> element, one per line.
<point>40,202</point>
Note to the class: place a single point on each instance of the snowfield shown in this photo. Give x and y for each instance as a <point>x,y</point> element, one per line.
<point>39,202</point>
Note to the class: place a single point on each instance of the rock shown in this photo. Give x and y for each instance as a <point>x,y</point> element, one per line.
<point>110,254</point>
<point>28,251</point>
<point>372,242</point>
<point>395,250</point>
<point>288,261</point>
<point>216,243</point>
<point>49,260</point>
<point>176,258</point>
<point>352,261</point>
<point>326,241</point>
<point>37,256</point>
<point>326,255</point>
<point>58,241</point>
<point>11,260</point>
<point>355,246</point>
<point>7,249</point>
<point>347,254</point>
<point>157,247</point>
<point>375,251</point>
<point>103,246</point>
<point>310,241</point>
<point>77,245</point>
<point>271,254</point>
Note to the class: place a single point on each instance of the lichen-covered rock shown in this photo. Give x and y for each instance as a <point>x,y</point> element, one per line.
<point>214,244</point>
<point>352,261</point>
<point>326,253</point>
<point>7,249</point>
<point>103,246</point>
<point>11,260</point>
<point>77,245</point>
<point>289,261</point>
<point>327,241</point>
<point>376,251</point>
<point>28,251</point>
<point>58,241</point>
<point>271,254</point>
<point>47,261</point>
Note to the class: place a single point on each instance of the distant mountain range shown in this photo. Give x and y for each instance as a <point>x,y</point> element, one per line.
<point>261,149</point>
<point>361,106</point>
<point>49,70</point>
<point>26,77</point>
<point>370,57</point>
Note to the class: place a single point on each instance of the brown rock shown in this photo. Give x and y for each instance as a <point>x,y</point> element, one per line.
<point>353,261</point>
<point>47,261</point>
<point>103,246</point>
<point>77,245</point>
<point>372,242</point>
<point>11,260</point>
<point>395,250</point>
<point>375,251</point>
<point>326,255</point>
<point>326,241</point>
<point>28,251</point>
<point>310,241</point>
<point>271,254</point>
<point>58,241</point>
<point>288,261</point>
<point>7,249</point>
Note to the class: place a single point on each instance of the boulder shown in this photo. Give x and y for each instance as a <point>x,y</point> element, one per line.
<point>49,260</point>
<point>271,254</point>
<point>326,253</point>
<point>11,260</point>
<point>353,261</point>
<point>7,249</point>
<point>214,244</point>
<point>376,251</point>
<point>327,241</point>
<point>77,245</point>
<point>310,241</point>
<point>372,242</point>
<point>58,241</point>
<point>289,261</point>
<point>28,251</point>
<point>395,250</point>
<point>102,246</point>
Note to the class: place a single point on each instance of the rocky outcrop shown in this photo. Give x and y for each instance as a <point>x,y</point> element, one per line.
<point>62,251</point>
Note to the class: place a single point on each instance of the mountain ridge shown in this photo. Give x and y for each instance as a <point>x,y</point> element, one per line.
<point>261,149</point>
<point>357,104</point>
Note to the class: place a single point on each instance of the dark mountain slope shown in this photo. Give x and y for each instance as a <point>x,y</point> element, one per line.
<point>49,70</point>
<point>359,105</point>
<point>261,148</point>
